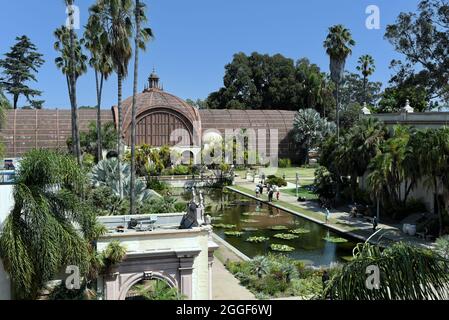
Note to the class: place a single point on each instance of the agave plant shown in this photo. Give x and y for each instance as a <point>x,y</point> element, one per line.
<point>260,266</point>
<point>105,173</point>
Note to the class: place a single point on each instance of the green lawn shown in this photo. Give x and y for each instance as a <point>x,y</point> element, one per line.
<point>290,173</point>
<point>303,192</point>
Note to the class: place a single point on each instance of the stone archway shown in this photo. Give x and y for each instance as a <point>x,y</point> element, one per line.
<point>135,279</point>
<point>174,267</point>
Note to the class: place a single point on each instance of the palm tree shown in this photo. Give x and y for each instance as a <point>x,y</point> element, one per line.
<point>116,21</point>
<point>73,77</point>
<point>406,273</point>
<point>360,146</point>
<point>367,67</point>
<point>393,171</point>
<point>431,152</point>
<point>39,236</point>
<point>338,45</point>
<point>72,63</point>
<point>139,14</point>
<point>101,62</point>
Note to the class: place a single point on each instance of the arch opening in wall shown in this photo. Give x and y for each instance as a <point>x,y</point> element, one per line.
<point>187,158</point>
<point>158,127</point>
<point>153,289</point>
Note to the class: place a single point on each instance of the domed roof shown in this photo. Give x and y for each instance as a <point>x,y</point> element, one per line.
<point>154,98</point>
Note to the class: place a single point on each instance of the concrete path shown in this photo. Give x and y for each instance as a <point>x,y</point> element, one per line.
<point>225,286</point>
<point>339,221</point>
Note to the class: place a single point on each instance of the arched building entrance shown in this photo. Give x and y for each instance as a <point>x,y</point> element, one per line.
<point>173,267</point>
<point>162,119</point>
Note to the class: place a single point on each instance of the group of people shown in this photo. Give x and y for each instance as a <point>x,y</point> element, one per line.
<point>271,191</point>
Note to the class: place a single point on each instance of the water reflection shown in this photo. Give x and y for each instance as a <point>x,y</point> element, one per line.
<point>256,219</point>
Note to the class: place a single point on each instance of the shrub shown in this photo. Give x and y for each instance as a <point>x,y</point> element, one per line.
<point>325,184</point>
<point>157,185</point>
<point>180,206</point>
<point>158,205</point>
<point>276,181</point>
<point>182,170</point>
<point>285,163</point>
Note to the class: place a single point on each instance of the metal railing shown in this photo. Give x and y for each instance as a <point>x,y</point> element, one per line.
<point>7,176</point>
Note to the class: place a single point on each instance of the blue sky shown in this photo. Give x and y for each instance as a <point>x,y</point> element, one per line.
<point>196,38</point>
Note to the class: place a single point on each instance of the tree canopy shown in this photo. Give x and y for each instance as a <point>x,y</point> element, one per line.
<point>19,67</point>
<point>260,81</point>
<point>423,39</point>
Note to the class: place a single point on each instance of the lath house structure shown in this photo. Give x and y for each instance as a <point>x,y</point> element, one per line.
<point>162,119</point>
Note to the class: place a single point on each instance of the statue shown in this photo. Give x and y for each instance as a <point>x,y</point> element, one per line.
<point>195,212</point>
<point>190,220</point>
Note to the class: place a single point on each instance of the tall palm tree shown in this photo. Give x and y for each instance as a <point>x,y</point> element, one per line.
<point>39,236</point>
<point>431,153</point>
<point>363,143</point>
<point>139,42</point>
<point>116,20</point>
<point>393,172</point>
<point>367,67</point>
<point>406,273</point>
<point>72,68</point>
<point>101,62</point>
<point>338,46</point>
<point>73,76</point>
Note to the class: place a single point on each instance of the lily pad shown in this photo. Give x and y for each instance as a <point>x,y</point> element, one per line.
<point>233,233</point>
<point>278,228</point>
<point>251,214</point>
<point>300,231</point>
<point>224,226</point>
<point>286,236</point>
<point>257,239</point>
<point>248,221</point>
<point>335,239</point>
<point>281,248</point>
<point>250,229</point>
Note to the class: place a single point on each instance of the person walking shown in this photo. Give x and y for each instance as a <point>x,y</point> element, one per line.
<point>270,194</point>
<point>257,191</point>
<point>374,224</point>
<point>278,192</point>
<point>327,214</point>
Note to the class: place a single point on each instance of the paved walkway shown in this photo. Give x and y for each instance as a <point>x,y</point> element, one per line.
<point>339,221</point>
<point>225,286</point>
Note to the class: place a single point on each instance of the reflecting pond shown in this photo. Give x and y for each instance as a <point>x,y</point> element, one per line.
<point>232,212</point>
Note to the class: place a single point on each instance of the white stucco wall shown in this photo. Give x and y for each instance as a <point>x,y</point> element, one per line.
<point>172,240</point>
<point>6,201</point>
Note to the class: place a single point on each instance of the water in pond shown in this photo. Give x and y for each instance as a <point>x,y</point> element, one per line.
<point>254,219</point>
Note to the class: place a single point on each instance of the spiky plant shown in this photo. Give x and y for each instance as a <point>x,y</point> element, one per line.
<point>105,173</point>
<point>406,273</point>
